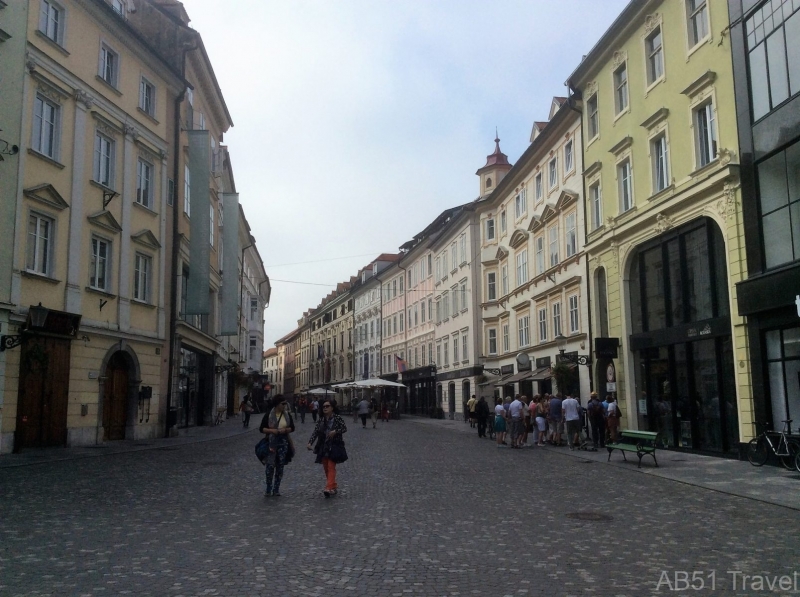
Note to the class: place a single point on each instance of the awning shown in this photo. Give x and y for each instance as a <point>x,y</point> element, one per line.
<point>521,376</point>
<point>502,381</point>
<point>541,374</point>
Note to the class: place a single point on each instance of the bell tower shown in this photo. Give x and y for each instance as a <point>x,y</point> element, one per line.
<point>496,167</point>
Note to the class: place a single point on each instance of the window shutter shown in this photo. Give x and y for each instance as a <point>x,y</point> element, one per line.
<point>96,173</point>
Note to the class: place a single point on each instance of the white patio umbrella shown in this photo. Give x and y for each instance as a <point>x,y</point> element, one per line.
<point>378,383</point>
<point>321,391</point>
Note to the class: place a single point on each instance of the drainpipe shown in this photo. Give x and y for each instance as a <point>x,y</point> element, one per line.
<point>176,244</point>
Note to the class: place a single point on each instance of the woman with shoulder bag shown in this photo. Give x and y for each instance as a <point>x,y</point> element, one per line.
<point>329,447</point>
<point>277,424</point>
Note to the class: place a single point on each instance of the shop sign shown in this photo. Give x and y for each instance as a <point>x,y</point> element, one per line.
<point>507,369</point>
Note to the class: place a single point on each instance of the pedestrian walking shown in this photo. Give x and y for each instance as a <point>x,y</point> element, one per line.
<point>363,412</point>
<point>314,407</point>
<point>277,424</point>
<point>555,420</point>
<point>302,406</point>
<point>384,411</point>
<point>373,412</point>
<point>597,421</point>
<point>612,421</point>
<point>329,446</point>
<point>571,414</point>
<point>473,416</point>
<point>482,410</point>
<point>500,422</point>
<point>246,408</point>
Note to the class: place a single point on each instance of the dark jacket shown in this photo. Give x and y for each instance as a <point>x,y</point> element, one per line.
<point>270,421</point>
<point>320,434</point>
<point>482,409</point>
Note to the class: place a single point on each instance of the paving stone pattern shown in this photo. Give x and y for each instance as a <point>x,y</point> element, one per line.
<point>422,510</point>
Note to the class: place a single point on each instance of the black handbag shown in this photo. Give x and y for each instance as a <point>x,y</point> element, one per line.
<point>336,451</point>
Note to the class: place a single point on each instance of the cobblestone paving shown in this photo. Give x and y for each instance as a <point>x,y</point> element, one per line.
<point>421,511</point>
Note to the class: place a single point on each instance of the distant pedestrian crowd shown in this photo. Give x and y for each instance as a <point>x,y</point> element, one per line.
<point>557,420</point>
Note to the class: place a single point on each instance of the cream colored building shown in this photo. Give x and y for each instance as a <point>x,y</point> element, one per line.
<point>91,207</point>
<point>533,266</point>
<point>331,339</point>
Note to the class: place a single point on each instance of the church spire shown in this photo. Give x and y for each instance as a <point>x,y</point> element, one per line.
<point>497,165</point>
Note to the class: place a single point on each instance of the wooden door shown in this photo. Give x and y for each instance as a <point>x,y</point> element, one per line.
<point>115,398</point>
<point>43,393</point>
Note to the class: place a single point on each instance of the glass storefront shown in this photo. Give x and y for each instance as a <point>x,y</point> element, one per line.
<point>783,371</point>
<point>682,346</point>
<point>194,393</point>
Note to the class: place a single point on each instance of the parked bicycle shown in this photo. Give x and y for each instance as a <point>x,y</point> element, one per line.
<point>771,442</point>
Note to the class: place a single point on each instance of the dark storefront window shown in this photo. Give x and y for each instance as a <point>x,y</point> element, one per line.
<point>683,353</point>
<point>773,42</point>
<point>783,364</point>
<point>779,199</point>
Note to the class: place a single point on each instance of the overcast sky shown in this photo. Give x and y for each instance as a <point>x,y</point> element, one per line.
<point>356,122</point>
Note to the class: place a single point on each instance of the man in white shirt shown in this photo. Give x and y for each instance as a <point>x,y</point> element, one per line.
<point>571,413</point>
<point>515,413</point>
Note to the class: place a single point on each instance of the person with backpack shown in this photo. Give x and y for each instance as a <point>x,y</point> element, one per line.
<point>246,408</point>
<point>597,421</point>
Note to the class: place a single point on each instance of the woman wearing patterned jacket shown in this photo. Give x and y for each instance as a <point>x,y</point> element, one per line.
<point>329,449</point>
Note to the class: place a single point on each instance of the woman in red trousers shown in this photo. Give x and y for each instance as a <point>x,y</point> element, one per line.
<point>329,447</point>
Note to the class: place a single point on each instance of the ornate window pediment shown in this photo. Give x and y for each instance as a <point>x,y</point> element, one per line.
<point>47,194</point>
<point>518,238</point>
<point>147,238</point>
<point>104,219</point>
<point>502,252</point>
<point>548,213</point>
<point>564,199</point>
<point>535,223</point>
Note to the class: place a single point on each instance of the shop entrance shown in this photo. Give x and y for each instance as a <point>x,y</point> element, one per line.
<point>115,397</point>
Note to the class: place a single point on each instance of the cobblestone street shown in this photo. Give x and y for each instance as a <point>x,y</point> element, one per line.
<point>422,510</point>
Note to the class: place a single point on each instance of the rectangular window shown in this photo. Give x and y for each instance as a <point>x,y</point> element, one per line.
<point>503,223</point>
<point>446,347</point>
<point>658,153</point>
<point>187,191</point>
<point>45,127</point>
<point>402,321</point>
<point>520,204</point>
<point>571,234</point>
<point>422,313</point>
<point>141,278</point>
<point>39,249</point>
<point>490,229</point>
<point>253,347</point>
<point>109,65</point>
<point>624,183</point>
<point>574,321</point>
<point>522,267</point>
<point>394,324</point>
<point>556,320</point>
<point>402,279</point>
<point>569,158</point>
<point>445,268</point>
<point>506,340</point>
<point>463,293</point>
<point>504,279</point>
<point>455,349</point>
<point>430,309</point>
<point>655,56</point>
<point>104,160</point>
<point>540,264</point>
<point>596,207</point>
<point>491,285</point>
<point>254,309</point>
<point>593,117</point>
<point>553,233</point>
<point>430,353</point>
<point>464,345</point>
<point>445,306</point>
<point>621,88</point>
<point>523,330</point>
<point>538,185</point>
<point>706,140</point>
<point>98,268</point>
<point>543,325</point>
<point>454,295</point>
<point>439,355</point>
<point>211,226</point>
<point>144,180</point>
<point>779,202</point>
<point>51,18</point>
<point>454,255</point>
<point>492,341</point>
<point>553,167</point>
<point>697,17</point>
<point>147,97</point>
<point>438,269</point>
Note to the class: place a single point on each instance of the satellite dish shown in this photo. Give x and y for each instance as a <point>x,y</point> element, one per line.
<point>523,361</point>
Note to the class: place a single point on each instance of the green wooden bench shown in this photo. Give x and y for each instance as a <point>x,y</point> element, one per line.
<point>640,442</point>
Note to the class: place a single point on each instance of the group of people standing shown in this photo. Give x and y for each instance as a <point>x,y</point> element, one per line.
<point>546,418</point>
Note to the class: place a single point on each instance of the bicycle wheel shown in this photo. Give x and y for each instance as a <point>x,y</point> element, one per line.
<point>797,462</point>
<point>788,462</point>
<point>757,451</point>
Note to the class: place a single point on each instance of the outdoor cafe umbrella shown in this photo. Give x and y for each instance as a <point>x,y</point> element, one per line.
<point>378,383</point>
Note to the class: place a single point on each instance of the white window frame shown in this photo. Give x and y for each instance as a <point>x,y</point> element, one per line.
<point>556,310</point>
<point>462,245</point>
<point>144,173</point>
<point>521,262</point>
<point>147,97</point>
<point>46,129</point>
<point>463,292</point>
<point>465,345</point>
<point>553,243</point>
<point>142,277</point>
<point>571,233</point>
<point>537,183</point>
<point>621,90</point>
<point>506,339</point>
<point>542,316</point>
<point>574,314</point>
<point>660,162</point>
<point>211,213</point>
<point>39,248</point>
<point>523,330</point>
<point>503,222</point>
<point>654,56</point>
<point>596,204</point>
<point>491,286</point>
<point>109,73</point>
<point>552,169</point>
<point>490,232</point>
<point>455,349</point>
<point>697,10</point>
<point>52,29</point>
<point>187,191</point>
<point>96,266</point>
<point>104,160</point>
<point>446,349</point>
<point>625,184</point>
<point>491,340</point>
<point>520,204</point>
<point>593,116</point>
<point>541,265</point>
<point>706,139</point>
<point>504,279</point>
<point>569,157</point>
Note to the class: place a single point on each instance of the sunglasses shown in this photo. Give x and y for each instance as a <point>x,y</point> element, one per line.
<point>327,406</point>
<point>284,403</point>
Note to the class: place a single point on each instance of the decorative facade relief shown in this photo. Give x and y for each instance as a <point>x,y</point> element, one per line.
<point>728,205</point>
<point>619,58</point>
<point>84,98</point>
<point>663,223</point>
<point>651,22</point>
<point>131,131</point>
